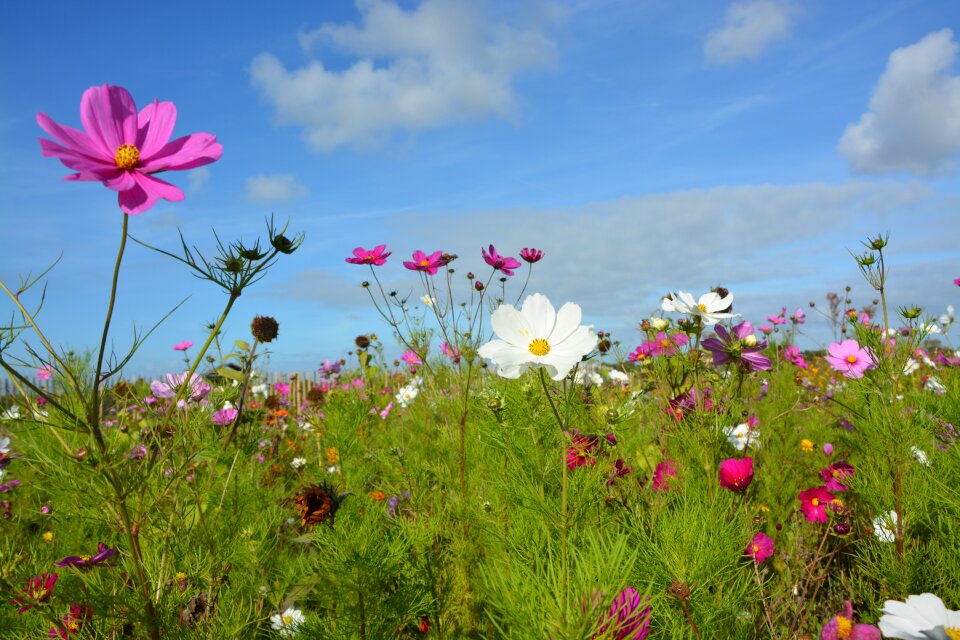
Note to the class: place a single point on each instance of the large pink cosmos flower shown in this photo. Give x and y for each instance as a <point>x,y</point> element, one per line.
<point>849,358</point>
<point>499,262</point>
<point>376,256</point>
<point>736,474</point>
<point>423,262</point>
<point>123,149</point>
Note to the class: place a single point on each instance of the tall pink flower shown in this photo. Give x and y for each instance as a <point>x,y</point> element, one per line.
<point>760,548</point>
<point>531,255</point>
<point>814,503</point>
<point>376,256</point>
<point>736,474</point>
<point>123,149</point>
<point>45,372</point>
<point>183,346</point>
<point>498,262</point>
<point>849,358</point>
<point>423,262</point>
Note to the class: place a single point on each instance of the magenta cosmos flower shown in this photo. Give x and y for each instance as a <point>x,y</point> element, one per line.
<point>423,262</point>
<point>736,474</point>
<point>224,417</point>
<point>123,149</point>
<point>849,358</point>
<point>99,559</point>
<point>499,262</point>
<point>38,589</point>
<point>531,255</point>
<point>760,548</point>
<point>661,475</point>
<point>183,346</point>
<point>627,618</point>
<point>376,256</point>
<point>814,503</point>
<point>740,347</point>
<point>835,473</point>
<point>842,626</point>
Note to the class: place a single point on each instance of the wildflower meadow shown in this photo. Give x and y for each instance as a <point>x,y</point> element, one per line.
<point>481,462</point>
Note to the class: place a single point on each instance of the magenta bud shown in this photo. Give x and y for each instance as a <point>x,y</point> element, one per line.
<point>827,449</point>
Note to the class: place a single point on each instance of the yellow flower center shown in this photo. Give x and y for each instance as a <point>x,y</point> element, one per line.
<point>756,548</point>
<point>84,558</point>
<point>41,594</point>
<point>424,263</point>
<point>180,576</point>
<point>815,502</point>
<point>127,156</point>
<point>539,347</point>
<point>844,627</point>
<point>286,620</point>
<point>953,632</point>
<point>702,307</point>
<point>852,359</point>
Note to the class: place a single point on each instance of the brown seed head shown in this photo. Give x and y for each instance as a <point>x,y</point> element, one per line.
<point>264,328</point>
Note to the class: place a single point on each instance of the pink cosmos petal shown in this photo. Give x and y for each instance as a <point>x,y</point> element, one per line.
<point>73,159</point>
<point>145,194</point>
<point>72,139</point>
<point>109,115</point>
<point>122,180</point>
<point>188,152</point>
<point>155,126</point>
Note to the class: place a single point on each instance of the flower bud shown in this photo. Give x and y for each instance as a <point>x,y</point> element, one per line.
<point>750,340</point>
<point>283,244</point>
<point>264,328</point>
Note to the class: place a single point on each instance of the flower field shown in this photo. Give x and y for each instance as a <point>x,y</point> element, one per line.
<point>512,472</point>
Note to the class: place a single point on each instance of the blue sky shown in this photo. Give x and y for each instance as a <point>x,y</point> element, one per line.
<point>644,148</point>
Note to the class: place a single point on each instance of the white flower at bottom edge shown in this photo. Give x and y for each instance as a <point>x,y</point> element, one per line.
<point>885,527</point>
<point>922,617</point>
<point>537,336</point>
<point>287,623</point>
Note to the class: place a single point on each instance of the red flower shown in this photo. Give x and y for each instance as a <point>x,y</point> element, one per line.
<point>736,474</point>
<point>814,503</point>
<point>38,589</point>
<point>580,449</point>
<point>665,470</point>
<point>376,256</point>
<point>531,255</point>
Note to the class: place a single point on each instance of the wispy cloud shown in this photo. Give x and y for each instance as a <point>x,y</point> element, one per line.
<point>442,62</point>
<point>913,124</point>
<point>749,27</point>
<point>270,189</point>
<point>197,179</point>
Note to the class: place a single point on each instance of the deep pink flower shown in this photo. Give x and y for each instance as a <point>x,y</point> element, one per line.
<point>641,353</point>
<point>780,318</point>
<point>814,503</point>
<point>956,281</point>
<point>282,388</point>
<point>376,256</point>
<point>45,372</point>
<point>620,469</point>
<point>531,255</point>
<point>498,262</point>
<point>123,149</point>
<point>736,474</point>
<point>183,346</point>
<point>740,346</point>
<point>422,262</point>
<point>72,621</point>
<point>841,626</point>
<point>833,475</point>
<point>661,475</point>
<point>849,358</point>
<point>99,559</point>
<point>580,449</point>
<point>451,352</point>
<point>760,548</point>
<point>765,329</point>
<point>38,589</point>
<point>666,345</point>
<point>792,355</point>
<point>627,619</point>
<point>827,449</point>
<point>224,417</point>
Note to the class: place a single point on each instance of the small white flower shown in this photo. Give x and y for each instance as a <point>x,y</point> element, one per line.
<point>587,378</point>
<point>658,324</point>
<point>13,413</point>
<point>259,389</point>
<point>885,527</point>
<point>427,300</point>
<point>4,445</point>
<point>296,463</point>
<point>228,405</point>
<point>709,307</point>
<point>406,395</point>
<point>935,386</point>
<point>287,623</point>
<point>333,469</point>
<point>911,366</point>
<point>305,426</point>
<point>922,617</point>
<point>932,327</point>
<point>742,436</point>
<point>947,318</point>
<point>920,456</point>
<point>538,336</point>
<point>618,377</point>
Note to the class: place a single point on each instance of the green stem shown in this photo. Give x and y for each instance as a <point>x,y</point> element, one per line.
<point>563,503</point>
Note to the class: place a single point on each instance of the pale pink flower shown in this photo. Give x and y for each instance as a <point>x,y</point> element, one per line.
<point>849,358</point>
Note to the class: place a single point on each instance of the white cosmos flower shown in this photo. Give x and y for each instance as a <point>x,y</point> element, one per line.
<point>935,386</point>
<point>885,527</point>
<point>920,456</point>
<point>618,377</point>
<point>538,336</point>
<point>922,617</point>
<point>911,366</point>
<point>742,436</point>
<point>947,318</point>
<point>296,463</point>
<point>710,306</point>
<point>588,378</point>
<point>427,300</point>
<point>287,623</point>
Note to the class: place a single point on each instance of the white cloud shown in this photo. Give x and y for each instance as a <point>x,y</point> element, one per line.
<point>913,125</point>
<point>197,179</point>
<point>439,63</point>
<point>275,188</point>
<point>749,27</point>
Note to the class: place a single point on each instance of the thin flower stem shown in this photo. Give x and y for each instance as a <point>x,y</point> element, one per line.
<point>563,502</point>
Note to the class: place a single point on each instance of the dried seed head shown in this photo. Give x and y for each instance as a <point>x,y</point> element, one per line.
<point>264,328</point>
<point>362,342</point>
<point>679,590</point>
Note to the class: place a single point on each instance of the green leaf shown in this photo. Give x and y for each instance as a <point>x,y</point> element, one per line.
<point>227,372</point>
<point>240,344</point>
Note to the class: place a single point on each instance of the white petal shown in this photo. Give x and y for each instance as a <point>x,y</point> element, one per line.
<point>710,300</point>
<point>686,303</point>
<point>540,315</point>
<point>511,360</point>
<point>510,325</point>
<point>927,605</point>
<point>568,319</point>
